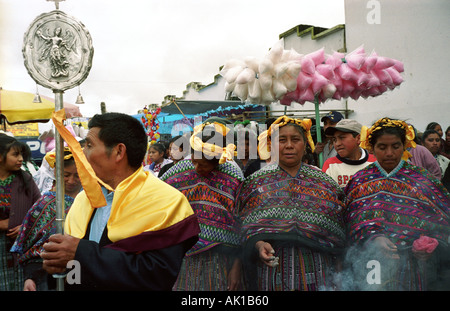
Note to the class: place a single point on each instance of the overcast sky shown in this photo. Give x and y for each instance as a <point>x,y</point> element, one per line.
<point>147,49</point>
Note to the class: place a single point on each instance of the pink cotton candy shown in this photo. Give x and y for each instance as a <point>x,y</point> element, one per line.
<point>318,83</point>
<point>369,63</point>
<point>397,78</point>
<point>318,57</point>
<point>383,63</point>
<point>384,76</point>
<point>398,65</point>
<point>346,72</point>
<point>307,95</point>
<point>425,244</point>
<point>326,70</point>
<point>308,66</point>
<point>303,81</point>
<point>355,61</point>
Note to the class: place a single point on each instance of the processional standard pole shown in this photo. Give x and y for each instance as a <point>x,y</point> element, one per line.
<point>318,129</point>
<point>58,55</point>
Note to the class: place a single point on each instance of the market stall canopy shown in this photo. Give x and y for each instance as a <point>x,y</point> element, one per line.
<point>18,107</point>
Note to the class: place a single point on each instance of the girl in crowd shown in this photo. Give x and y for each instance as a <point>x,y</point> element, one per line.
<point>438,128</point>
<point>38,225</point>
<point>210,181</point>
<point>391,204</point>
<point>156,153</point>
<point>290,213</point>
<point>433,142</point>
<point>18,192</point>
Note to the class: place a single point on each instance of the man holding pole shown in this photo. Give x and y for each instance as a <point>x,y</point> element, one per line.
<point>132,233</point>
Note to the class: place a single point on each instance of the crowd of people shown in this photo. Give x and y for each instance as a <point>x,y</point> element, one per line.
<point>233,207</point>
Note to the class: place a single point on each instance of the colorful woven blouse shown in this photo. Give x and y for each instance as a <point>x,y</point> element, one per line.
<point>5,197</point>
<point>401,205</point>
<point>307,207</point>
<point>212,198</point>
<point>38,225</point>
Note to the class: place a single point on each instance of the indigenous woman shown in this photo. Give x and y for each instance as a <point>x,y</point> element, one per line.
<point>18,192</point>
<point>290,214</point>
<point>392,206</point>
<point>38,225</point>
<point>210,181</point>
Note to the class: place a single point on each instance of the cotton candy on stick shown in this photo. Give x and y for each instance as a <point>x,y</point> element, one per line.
<point>263,81</point>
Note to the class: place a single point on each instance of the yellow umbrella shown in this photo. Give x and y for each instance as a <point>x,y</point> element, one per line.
<point>18,107</point>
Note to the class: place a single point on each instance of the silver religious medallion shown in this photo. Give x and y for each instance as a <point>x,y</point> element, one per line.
<point>57,51</point>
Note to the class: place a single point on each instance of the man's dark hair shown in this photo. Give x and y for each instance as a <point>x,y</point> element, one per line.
<point>118,128</point>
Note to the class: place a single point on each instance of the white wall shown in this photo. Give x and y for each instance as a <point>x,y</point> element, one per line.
<point>417,33</point>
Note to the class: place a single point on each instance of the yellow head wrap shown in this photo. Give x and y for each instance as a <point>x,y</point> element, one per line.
<point>51,156</point>
<point>366,134</point>
<point>213,150</point>
<point>264,137</point>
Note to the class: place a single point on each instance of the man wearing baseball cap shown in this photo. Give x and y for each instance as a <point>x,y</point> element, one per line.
<point>326,147</point>
<point>350,156</point>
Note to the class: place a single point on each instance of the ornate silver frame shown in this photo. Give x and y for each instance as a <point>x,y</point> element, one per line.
<point>57,51</point>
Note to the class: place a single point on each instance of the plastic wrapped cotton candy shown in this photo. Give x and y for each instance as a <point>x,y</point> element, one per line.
<point>288,76</point>
<point>266,80</point>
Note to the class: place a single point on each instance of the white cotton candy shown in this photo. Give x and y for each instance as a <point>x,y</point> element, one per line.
<point>246,76</point>
<point>265,66</point>
<point>229,87</point>
<point>254,91</point>
<point>241,91</point>
<point>265,80</point>
<point>290,83</point>
<point>291,55</point>
<point>266,96</point>
<point>279,89</point>
<point>329,90</point>
<point>252,63</point>
<point>233,73</point>
<point>280,69</point>
<point>293,69</point>
<point>231,64</point>
<point>276,52</point>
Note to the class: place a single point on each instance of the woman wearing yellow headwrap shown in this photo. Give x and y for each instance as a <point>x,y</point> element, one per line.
<point>290,214</point>
<point>210,180</point>
<point>38,225</point>
<point>390,204</point>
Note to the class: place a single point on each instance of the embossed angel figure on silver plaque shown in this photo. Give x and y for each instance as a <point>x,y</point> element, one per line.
<point>57,51</point>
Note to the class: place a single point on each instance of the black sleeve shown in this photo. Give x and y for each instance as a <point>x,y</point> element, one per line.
<point>102,268</point>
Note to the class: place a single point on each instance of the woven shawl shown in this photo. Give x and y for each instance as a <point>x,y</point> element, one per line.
<point>402,205</point>
<point>212,198</point>
<point>307,207</point>
<point>38,225</point>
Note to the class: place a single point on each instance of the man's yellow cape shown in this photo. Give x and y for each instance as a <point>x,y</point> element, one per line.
<point>146,213</point>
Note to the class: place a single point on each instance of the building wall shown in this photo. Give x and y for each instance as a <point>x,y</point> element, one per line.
<point>415,32</point>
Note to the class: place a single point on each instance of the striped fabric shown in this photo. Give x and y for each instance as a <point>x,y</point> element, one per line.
<point>206,271</point>
<point>299,269</point>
